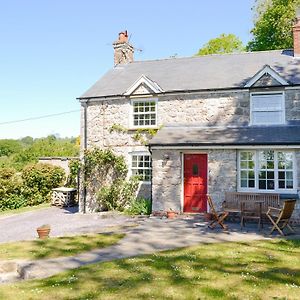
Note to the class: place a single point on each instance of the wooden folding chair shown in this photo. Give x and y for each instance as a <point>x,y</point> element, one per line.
<point>280,217</point>
<point>218,216</point>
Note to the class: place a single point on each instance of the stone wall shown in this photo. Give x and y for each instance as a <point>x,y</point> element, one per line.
<point>167,187</point>
<point>201,108</point>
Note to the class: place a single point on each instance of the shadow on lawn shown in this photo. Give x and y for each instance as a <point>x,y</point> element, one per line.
<point>197,271</point>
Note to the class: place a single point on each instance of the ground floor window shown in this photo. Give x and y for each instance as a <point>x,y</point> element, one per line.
<point>266,170</point>
<point>141,165</point>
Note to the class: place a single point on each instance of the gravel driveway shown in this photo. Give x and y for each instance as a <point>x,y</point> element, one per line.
<point>63,222</point>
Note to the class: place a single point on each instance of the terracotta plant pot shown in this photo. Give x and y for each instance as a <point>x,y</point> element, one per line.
<point>171,214</point>
<point>43,232</point>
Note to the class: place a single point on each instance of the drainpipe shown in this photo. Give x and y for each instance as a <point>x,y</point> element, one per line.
<point>151,177</point>
<point>84,105</point>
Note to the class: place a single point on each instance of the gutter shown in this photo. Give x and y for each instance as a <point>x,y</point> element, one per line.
<point>108,97</point>
<point>180,146</point>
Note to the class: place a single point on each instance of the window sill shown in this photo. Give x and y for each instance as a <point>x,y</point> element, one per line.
<point>142,128</point>
<point>293,191</point>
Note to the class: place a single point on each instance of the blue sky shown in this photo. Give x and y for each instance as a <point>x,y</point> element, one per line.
<point>51,51</point>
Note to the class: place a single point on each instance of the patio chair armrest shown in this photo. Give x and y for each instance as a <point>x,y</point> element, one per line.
<point>273,210</point>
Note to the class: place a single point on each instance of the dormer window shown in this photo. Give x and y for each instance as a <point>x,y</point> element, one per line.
<point>267,108</point>
<point>144,113</point>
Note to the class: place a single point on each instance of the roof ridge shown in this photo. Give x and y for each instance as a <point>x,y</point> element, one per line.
<point>209,55</point>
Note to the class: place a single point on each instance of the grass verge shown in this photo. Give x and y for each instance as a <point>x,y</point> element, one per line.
<point>56,247</point>
<point>256,270</point>
<point>11,212</point>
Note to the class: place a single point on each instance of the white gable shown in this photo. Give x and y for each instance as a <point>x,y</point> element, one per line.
<point>267,70</point>
<point>143,85</point>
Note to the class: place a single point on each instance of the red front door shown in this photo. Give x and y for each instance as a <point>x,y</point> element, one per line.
<point>195,183</point>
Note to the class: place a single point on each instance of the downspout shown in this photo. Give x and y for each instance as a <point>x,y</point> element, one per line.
<point>151,177</point>
<point>84,104</point>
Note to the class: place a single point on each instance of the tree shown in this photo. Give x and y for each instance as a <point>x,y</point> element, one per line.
<point>273,23</point>
<point>225,43</point>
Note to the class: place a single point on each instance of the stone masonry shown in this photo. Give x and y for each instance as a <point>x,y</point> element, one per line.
<point>214,108</point>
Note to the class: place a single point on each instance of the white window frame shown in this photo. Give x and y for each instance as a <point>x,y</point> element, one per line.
<point>276,170</point>
<point>141,153</point>
<point>133,101</point>
<point>265,95</point>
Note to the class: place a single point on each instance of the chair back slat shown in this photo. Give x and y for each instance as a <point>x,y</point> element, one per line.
<point>288,209</point>
<point>211,205</point>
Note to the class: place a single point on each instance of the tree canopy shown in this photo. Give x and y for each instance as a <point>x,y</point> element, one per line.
<point>273,21</point>
<point>225,43</point>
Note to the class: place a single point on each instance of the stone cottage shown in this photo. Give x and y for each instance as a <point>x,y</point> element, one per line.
<point>226,123</point>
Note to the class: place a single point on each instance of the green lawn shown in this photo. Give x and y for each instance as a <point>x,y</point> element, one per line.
<point>55,247</point>
<point>6,213</point>
<point>256,270</point>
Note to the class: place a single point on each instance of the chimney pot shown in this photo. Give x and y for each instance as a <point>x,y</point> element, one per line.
<point>123,37</point>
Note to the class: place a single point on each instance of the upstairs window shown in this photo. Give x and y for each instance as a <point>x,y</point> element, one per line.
<point>144,113</point>
<point>267,109</point>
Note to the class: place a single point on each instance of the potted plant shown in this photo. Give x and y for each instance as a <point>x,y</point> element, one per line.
<point>171,214</point>
<point>43,231</point>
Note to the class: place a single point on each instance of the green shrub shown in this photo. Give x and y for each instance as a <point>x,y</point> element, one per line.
<point>139,206</point>
<point>10,189</point>
<point>38,181</point>
<point>13,201</point>
<point>74,166</point>
<point>118,195</point>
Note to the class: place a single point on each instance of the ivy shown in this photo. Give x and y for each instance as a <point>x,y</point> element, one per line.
<point>141,135</point>
<point>74,167</point>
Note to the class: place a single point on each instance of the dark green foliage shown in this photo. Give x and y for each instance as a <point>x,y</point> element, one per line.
<point>74,166</point>
<point>39,179</point>
<point>225,43</point>
<point>31,187</point>
<point>10,189</point>
<point>273,25</point>
<point>105,176</point>
<point>18,153</point>
<point>118,195</point>
<point>8,147</point>
<point>139,206</point>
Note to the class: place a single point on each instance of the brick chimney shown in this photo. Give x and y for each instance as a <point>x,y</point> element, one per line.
<point>296,34</point>
<point>123,50</point>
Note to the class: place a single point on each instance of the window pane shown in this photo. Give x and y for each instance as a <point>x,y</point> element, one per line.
<point>244,174</point>
<point>270,175</point>
<point>244,165</point>
<point>289,184</point>
<point>250,164</point>
<point>262,175</point>
<point>281,184</point>
<point>289,175</point>
<point>262,184</point>
<point>244,183</point>
<point>244,156</point>
<point>270,184</point>
<point>251,183</point>
<point>251,174</point>
<point>281,175</point>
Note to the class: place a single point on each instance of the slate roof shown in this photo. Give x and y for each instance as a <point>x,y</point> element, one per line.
<point>197,73</point>
<point>229,136</point>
